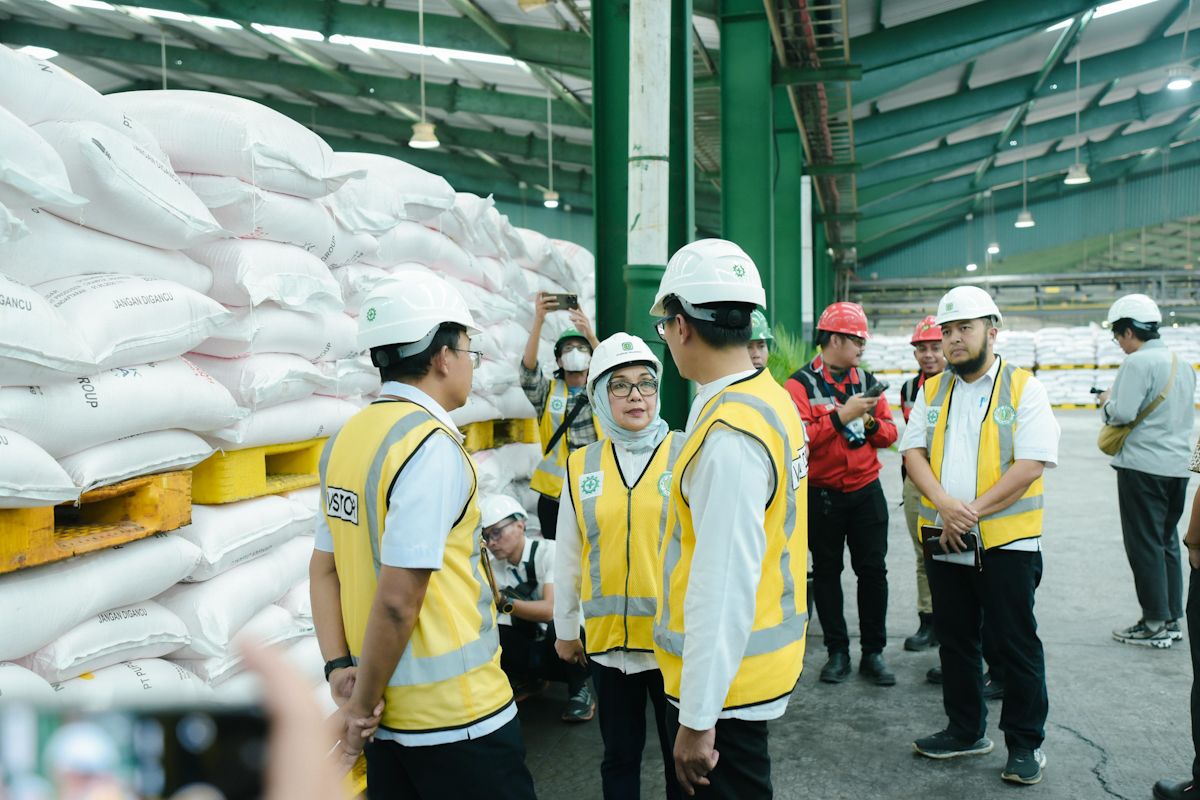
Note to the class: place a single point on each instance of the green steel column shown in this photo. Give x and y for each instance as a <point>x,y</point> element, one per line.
<point>747,146</point>
<point>786,308</point>
<point>642,279</point>
<point>823,274</point>
<point>610,132</point>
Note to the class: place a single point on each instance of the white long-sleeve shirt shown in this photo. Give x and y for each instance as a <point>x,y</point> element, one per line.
<point>727,485</point>
<point>568,570</point>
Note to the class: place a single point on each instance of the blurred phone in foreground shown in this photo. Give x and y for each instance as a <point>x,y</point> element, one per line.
<point>199,753</point>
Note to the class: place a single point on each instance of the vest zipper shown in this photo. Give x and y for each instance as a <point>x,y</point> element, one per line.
<point>628,557</point>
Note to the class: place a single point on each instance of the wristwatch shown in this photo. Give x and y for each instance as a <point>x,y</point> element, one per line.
<point>338,663</point>
<point>505,606</point>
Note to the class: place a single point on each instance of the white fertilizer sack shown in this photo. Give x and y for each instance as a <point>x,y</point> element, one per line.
<point>298,601</point>
<point>297,421</point>
<point>133,456</point>
<point>269,627</point>
<point>29,477</point>
<point>271,329</point>
<point>234,533</point>
<point>248,272</point>
<point>250,212</point>
<point>21,685</point>
<point>351,377</point>
<point>31,173</point>
<point>35,343</point>
<point>390,191</point>
<point>267,379</point>
<point>144,682</point>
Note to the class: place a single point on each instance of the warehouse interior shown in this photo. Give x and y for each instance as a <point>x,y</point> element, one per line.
<point>881,152</point>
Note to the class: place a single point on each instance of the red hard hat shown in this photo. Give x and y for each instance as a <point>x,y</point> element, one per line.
<point>927,330</point>
<point>848,318</point>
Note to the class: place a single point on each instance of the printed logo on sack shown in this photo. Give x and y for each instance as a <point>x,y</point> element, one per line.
<point>739,270</point>
<point>1005,415</point>
<point>558,405</point>
<point>341,504</point>
<point>932,416</point>
<point>591,485</point>
<point>370,315</point>
<point>664,484</point>
<point>799,468</point>
<point>627,346</point>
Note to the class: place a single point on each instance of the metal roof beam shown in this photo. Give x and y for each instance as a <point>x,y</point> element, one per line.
<point>297,77</point>
<point>944,159</point>
<point>536,45</point>
<point>996,97</point>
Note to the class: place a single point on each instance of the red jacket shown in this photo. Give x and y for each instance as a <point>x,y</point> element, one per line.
<point>833,463</point>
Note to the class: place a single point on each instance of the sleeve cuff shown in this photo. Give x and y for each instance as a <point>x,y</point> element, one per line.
<point>413,558</point>
<point>697,722</point>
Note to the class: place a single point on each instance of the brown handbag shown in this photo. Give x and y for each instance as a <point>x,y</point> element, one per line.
<point>1112,437</point>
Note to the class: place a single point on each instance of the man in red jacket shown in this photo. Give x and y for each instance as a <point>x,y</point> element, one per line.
<point>847,419</point>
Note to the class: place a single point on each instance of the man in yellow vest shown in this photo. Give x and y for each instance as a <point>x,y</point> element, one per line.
<point>402,609</point>
<point>565,419</point>
<point>979,437</point>
<point>731,608</point>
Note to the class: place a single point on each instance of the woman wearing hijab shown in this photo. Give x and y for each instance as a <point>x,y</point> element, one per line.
<point>610,523</point>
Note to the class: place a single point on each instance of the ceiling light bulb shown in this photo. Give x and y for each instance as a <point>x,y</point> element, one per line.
<point>994,249</point>
<point>1077,174</point>
<point>1179,78</point>
<point>972,267</point>
<point>550,199</point>
<point>424,137</point>
<point>1024,220</point>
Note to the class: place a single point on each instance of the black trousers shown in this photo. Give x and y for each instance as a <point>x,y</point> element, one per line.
<point>548,516</point>
<point>1000,598</point>
<point>491,767</point>
<point>743,771</point>
<point>621,701</point>
<point>858,520</point>
<point>1193,626</point>
<point>523,658</point>
<point>1151,506</point>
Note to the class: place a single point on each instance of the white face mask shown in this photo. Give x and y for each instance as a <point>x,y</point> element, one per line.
<point>576,361</point>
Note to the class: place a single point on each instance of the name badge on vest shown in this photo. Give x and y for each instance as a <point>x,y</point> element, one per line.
<point>799,468</point>
<point>558,405</point>
<point>341,504</point>
<point>591,485</point>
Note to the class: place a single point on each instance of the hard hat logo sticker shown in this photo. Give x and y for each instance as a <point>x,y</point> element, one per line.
<point>739,270</point>
<point>627,346</point>
<point>370,315</point>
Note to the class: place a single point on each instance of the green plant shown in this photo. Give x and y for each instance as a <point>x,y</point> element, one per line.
<point>789,352</point>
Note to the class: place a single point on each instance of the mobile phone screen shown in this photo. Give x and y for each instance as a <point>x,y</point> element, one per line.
<point>198,753</point>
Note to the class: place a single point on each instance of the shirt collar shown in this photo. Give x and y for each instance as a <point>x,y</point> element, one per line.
<point>525,554</point>
<point>710,390</point>
<point>406,391</point>
<point>849,377</point>
<point>986,379</point>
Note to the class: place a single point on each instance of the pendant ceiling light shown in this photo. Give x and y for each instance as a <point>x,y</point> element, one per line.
<point>1024,219</point>
<point>1179,76</point>
<point>550,197</point>
<point>424,134</point>
<point>1077,174</point>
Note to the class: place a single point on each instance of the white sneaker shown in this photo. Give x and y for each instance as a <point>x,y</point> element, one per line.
<point>1141,635</point>
<point>1174,631</point>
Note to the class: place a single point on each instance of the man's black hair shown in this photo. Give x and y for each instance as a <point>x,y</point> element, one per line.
<point>1142,331</point>
<point>823,338</point>
<point>416,366</point>
<point>712,334</point>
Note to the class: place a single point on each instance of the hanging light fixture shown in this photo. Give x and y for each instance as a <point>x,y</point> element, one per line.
<point>994,249</point>
<point>1024,219</point>
<point>1179,76</point>
<point>1077,174</point>
<point>424,134</point>
<point>550,197</point>
<point>971,265</point>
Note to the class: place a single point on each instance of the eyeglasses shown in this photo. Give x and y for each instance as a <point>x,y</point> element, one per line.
<point>857,341</point>
<point>494,533</point>
<point>476,356</point>
<point>583,348</point>
<point>622,389</point>
<point>660,325</point>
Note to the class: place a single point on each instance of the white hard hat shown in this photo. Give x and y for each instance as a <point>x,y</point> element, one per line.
<point>1137,307</point>
<point>407,308</point>
<point>498,507</point>
<point>83,748</point>
<point>966,302</point>
<point>616,350</point>
<point>710,271</point>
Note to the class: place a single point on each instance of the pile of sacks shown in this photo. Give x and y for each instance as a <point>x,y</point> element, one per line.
<point>1019,347</point>
<point>886,353</point>
<point>1073,386</point>
<point>1058,346</point>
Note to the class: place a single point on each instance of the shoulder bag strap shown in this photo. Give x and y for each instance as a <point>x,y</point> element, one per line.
<point>580,402</point>
<point>1158,401</point>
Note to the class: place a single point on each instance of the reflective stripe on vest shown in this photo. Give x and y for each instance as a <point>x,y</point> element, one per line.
<point>792,623</point>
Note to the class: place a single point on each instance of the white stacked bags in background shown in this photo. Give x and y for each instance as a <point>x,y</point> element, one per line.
<point>1058,346</point>
<point>1019,347</point>
<point>886,353</point>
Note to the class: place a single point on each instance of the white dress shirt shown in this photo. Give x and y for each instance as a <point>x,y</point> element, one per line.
<point>568,567</point>
<point>420,514</point>
<point>509,575</point>
<point>1035,439</point>
<point>727,485</point>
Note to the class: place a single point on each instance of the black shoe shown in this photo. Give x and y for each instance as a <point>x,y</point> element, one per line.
<point>580,706</point>
<point>943,745</point>
<point>992,688</point>
<point>1024,766</point>
<point>934,676</point>
<point>875,669</point>
<point>836,669</point>
<point>1187,790</point>
<point>924,638</point>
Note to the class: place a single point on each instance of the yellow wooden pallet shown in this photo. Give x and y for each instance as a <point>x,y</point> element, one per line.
<point>490,434</point>
<point>256,471</point>
<point>104,517</point>
<point>1065,366</point>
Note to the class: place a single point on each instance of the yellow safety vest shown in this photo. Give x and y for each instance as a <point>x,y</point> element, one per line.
<point>1021,520</point>
<point>449,675</point>
<point>774,654</point>
<point>621,528</point>
<point>550,473</point>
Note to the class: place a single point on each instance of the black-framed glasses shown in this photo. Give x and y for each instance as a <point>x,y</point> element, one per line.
<point>857,341</point>
<point>660,325</point>
<point>494,533</point>
<point>647,387</point>
<point>476,356</point>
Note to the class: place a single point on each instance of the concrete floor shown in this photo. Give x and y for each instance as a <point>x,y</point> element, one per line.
<point>1118,714</point>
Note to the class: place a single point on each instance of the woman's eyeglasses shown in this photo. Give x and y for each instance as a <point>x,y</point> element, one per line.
<point>622,389</point>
